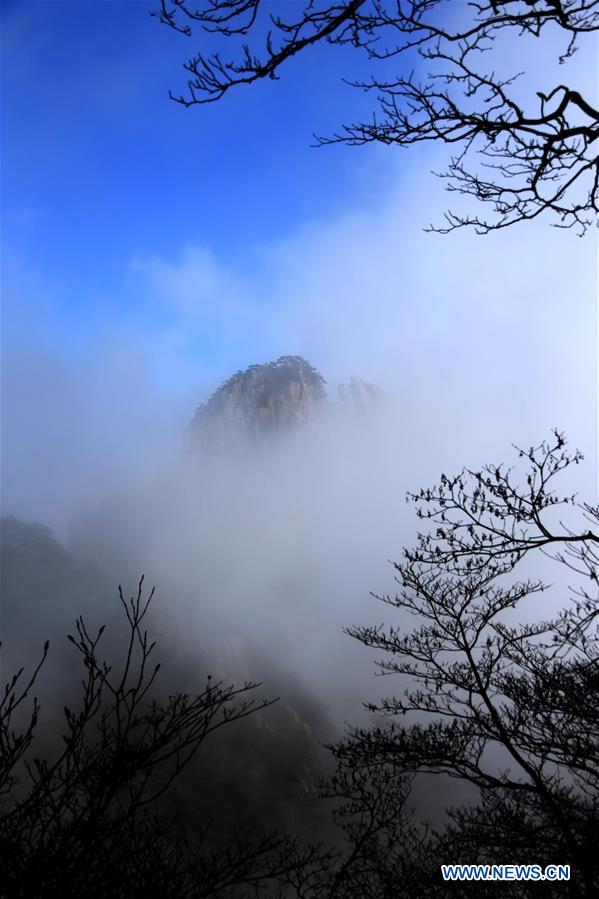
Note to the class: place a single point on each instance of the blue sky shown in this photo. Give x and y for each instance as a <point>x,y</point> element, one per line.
<point>100,166</point>
<point>150,250</point>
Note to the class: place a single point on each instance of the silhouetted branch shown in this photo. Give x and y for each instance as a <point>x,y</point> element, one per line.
<point>511,708</point>
<point>531,160</point>
<point>87,822</point>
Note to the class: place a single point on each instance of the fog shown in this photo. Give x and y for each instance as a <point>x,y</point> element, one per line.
<point>475,345</point>
<point>260,558</point>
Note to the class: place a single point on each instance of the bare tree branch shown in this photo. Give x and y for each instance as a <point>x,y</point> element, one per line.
<point>511,708</point>
<point>521,162</point>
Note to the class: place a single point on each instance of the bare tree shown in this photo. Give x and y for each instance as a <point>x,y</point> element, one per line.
<point>510,708</point>
<point>384,849</point>
<point>522,159</point>
<point>89,821</point>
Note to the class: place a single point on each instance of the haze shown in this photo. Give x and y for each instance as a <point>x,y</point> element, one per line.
<point>149,252</point>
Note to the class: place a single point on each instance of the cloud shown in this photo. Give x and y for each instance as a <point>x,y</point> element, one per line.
<point>484,338</point>
<point>196,288</point>
<point>482,341</point>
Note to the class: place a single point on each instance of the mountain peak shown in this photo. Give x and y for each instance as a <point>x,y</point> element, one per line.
<point>262,400</point>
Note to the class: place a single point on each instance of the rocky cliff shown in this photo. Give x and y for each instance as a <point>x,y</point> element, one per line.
<point>260,401</point>
<point>359,394</point>
<point>271,398</point>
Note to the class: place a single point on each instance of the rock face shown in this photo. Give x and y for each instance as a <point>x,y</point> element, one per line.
<point>258,402</point>
<point>359,394</point>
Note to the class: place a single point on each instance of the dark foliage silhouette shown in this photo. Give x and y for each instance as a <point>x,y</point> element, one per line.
<point>496,698</point>
<point>89,820</point>
<point>511,708</point>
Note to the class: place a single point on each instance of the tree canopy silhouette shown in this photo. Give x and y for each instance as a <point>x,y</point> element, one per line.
<point>508,707</point>
<point>86,819</point>
<point>505,702</point>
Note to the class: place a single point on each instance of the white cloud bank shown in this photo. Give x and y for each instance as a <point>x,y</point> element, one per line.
<point>481,340</point>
